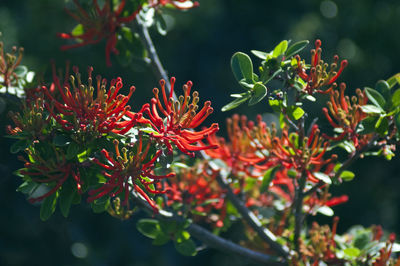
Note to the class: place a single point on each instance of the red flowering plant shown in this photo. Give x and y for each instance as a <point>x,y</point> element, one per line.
<point>82,139</point>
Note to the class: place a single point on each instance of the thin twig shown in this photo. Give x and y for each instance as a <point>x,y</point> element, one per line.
<point>157,67</point>
<point>253,221</point>
<point>211,240</point>
<point>298,209</point>
<point>345,165</point>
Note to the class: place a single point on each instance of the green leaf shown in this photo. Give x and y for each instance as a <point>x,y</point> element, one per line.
<point>396,98</point>
<point>258,93</point>
<point>28,187</point>
<point>296,48</point>
<point>169,227</point>
<point>18,146</point>
<point>161,239</point>
<point>347,175</point>
<point>323,177</point>
<point>268,177</point>
<point>325,210</point>
<point>100,205</point>
<point>382,125</point>
<point>72,150</point>
<point>78,30</point>
<point>182,236</point>
<point>61,140</point>
<point>280,49</point>
<point>48,206</point>
<point>21,71</point>
<point>352,252</point>
<point>148,227</point>
<point>375,97</point>
<point>245,85</point>
<point>269,78</point>
<point>295,112</point>
<point>394,80</point>
<point>186,248</point>
<point>368,125</point>
<point>259,54</point>
<point>235,103</point>
<point>383,87</point>
<point>67,194</point>
<point>242,67</point>
<point>371,109</point>
<point>362,239</point>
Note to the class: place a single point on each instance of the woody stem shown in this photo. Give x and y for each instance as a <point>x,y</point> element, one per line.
<point>210,239</point>
<point>156,64</point>
<point>252,220</point>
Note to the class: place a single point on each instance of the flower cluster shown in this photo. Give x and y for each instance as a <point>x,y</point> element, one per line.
<point>129,169</point>
<point>30,122</point>
<point>240,152</point>
<point>197,188</point>
<point>97,24</point>
<point>88,108</point>
<point>319,74</point>
<point>345,115</point>
<point>175,120</point>
<point>8,64</point>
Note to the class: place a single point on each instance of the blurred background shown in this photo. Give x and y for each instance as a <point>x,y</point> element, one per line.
<point>198,48</point>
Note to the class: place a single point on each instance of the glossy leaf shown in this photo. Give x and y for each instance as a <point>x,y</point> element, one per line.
<point>280,49</point>
<point>258,93</point>
<point>48,206</point>
<point>235,103</point>
<point>72,150</point>
<point>148,227</point>
<point>375,97</point>
<point>259,54</point>
<point>383,87</point>
<point>186,248</point>
<point>268,177</point>
<point>61,140</point>
<point>67,195</point>
<point>296,48</point>
<point>323,177</point>
<point>395,79</point>
<point>18,146</point>
<point>371,109</point>
<point>396,98</point>
<point>347,175</point>
<point>100,205</point>
<point>242,67</point>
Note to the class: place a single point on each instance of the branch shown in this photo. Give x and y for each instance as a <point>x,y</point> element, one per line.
<point>157,67</point>
<point>253,221</point>
<point>346,164</point>
<point>210,239</point>
<point>298,209</point>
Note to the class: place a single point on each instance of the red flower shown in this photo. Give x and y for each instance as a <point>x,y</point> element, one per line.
<point>175,120</point>
<point>308,157</point>
<point>346,115</point>
<point>129,171</point>
<point>199,191</point>
<point>8,64</point>
<point>240,153</point>
<point>319,75</point>
<point>98,24</point>
<point>79,110</point>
